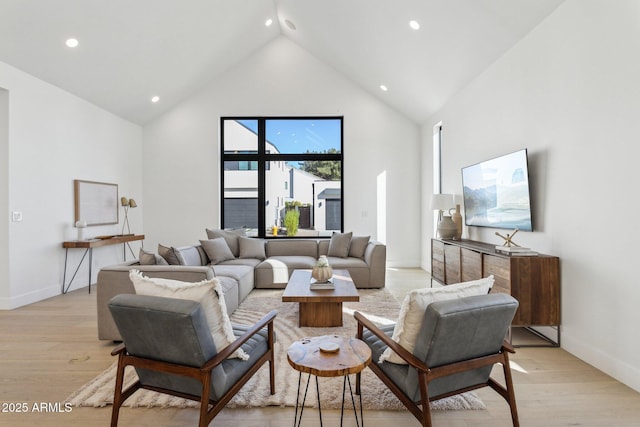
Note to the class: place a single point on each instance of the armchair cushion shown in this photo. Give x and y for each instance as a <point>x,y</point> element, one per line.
<point>413,309</point>
<point>208,293</point>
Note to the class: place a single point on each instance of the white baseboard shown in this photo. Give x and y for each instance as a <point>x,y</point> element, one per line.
<point>29,298</point>
<point>620,370</point>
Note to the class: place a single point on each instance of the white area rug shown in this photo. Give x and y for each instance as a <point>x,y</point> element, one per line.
<point>379,305</point>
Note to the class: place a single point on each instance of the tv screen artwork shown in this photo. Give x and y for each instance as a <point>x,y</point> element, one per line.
<point>496,193</point>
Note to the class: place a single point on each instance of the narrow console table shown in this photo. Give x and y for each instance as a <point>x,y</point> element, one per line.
<point>88,246</point>
<point>533,280</point>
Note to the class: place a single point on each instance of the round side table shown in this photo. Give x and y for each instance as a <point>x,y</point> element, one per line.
<point>328,356</point>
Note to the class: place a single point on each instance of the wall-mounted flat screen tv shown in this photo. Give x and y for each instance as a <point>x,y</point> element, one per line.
<point>496,193</point>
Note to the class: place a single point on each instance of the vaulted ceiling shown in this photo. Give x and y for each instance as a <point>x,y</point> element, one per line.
<point>131,50</point>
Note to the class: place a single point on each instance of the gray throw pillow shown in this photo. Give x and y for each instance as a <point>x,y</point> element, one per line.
<point>217,250</point>
<point>188,255</point>
<point>251,248</point>
<point>358,246</point>
<point>339,245</point>
<point>231,237</point>
<point>149,258</point>
<point>168,254</point>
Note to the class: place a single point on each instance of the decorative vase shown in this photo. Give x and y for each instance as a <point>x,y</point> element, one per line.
<point>447,228</point>
<point>457,220</point>
<point>80,225</point>
<point>322,271</point>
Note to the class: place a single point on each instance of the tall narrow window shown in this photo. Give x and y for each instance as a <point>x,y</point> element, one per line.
<point>437,168</point>
<point>282,176</point>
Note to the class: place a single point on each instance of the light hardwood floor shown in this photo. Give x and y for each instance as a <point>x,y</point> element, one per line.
<point>49,349</point>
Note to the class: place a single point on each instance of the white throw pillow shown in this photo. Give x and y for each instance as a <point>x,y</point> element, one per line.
<point>413,308</point>
<point>207,292</point>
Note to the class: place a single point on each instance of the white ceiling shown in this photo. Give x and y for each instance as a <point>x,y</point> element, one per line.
<point>131,50</point>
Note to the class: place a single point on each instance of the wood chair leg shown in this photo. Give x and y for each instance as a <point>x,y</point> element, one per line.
<point>508,379</point>
<point>424,400</point>
<point>117,393</point>
<point>272,375</point>
<point>204,400</point>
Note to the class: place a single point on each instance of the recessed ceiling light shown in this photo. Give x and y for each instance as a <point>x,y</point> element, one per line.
<point>290,24</point>
<point>414,24</point>
<point>72,42</point>
<point>155,99</point>
<point>383,88</point>
<point>268,22</point>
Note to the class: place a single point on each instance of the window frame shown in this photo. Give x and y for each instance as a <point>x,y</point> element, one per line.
<point>263,157</point>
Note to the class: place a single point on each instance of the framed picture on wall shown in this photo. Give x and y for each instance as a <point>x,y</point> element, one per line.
<point>96,202</point>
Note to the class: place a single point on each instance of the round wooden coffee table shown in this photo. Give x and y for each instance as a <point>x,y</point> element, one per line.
<point>328,356</point>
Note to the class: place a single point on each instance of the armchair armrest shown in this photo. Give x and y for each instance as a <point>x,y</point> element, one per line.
<point>363,322</point>
<point>267,321</point>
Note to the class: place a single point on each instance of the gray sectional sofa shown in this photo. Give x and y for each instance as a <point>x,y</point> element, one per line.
<point>242,264</point>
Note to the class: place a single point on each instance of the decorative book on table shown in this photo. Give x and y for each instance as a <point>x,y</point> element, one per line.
<point>316,286</point>
<point>515,250</point>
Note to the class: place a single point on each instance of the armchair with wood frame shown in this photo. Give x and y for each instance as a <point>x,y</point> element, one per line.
<point>169,344</point>
<point>459,343</point>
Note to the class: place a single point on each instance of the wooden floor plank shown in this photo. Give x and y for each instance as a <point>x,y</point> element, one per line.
<point>50,349</point>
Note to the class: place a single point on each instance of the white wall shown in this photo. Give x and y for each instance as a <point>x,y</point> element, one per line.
<point>53,138</point>
<point>4,193</point>
<point>181,161</point>
<point>570,93</point>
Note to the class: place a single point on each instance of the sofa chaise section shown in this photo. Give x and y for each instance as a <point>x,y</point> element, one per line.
<point>114,280</point>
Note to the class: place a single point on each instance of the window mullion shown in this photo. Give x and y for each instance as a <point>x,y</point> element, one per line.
<point>262,176</point>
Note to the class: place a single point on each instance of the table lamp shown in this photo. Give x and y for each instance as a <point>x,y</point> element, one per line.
<point>126,204</point>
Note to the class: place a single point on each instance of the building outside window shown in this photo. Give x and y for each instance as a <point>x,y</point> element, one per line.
<point>272,165</point>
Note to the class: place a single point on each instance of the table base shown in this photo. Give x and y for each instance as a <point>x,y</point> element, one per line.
<point>297,420</point>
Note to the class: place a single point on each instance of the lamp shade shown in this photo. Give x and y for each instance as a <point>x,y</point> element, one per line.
<point>441,202</point>
<point>132,203</point>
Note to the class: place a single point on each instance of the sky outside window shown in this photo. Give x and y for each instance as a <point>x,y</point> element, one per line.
<point>296,136</point>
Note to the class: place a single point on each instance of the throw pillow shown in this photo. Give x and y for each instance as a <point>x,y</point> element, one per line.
<point>231,236</point>
<point>251,248</point>
<point>339,245</point>
<point>168,254</point>
<point>217,250</point>
<point>188,255</point>
<point>358,246</point>
<point>208,293</point>
<point>414,305</point>
<point>149,258</point>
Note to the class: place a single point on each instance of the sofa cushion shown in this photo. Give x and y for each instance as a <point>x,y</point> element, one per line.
<point>217,250</point>
<point>149,258</point>
<point>231,236</point>
<point>242,274</point>
<point>276,270</point>
<point>339,244</point>
<point>415,304</point>
<point>287,247</point>
<point>208,293</point>
<point>358,246</point>
<point>251,248</point>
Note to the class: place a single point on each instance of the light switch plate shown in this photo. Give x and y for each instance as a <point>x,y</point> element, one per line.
<point>16,216</point>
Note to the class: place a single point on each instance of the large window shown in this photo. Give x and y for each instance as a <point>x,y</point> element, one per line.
<point>282,176</point>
